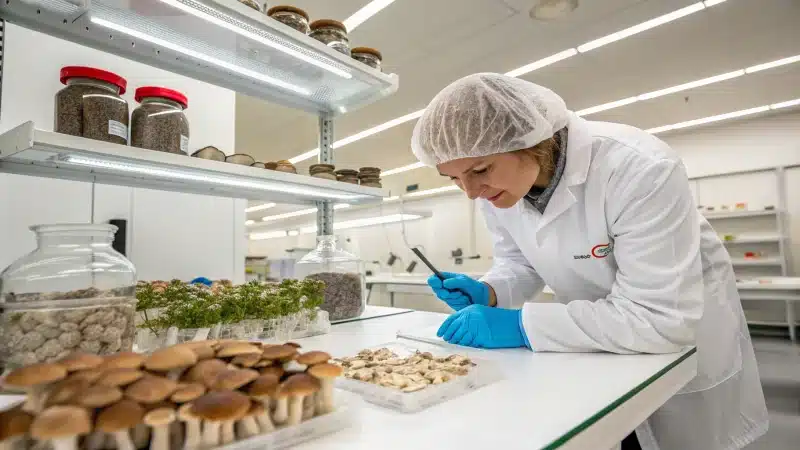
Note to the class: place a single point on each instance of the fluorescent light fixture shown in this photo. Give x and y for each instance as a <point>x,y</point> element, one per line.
<point>716,118</point>
<point>293,233</point>
<point>393,198</point>
<point>249,222</point>
<point>197,9</point>
<point>260,207</point>
<point>439,190</point>
<point>710,3</point>
<point>302,157</point>
<point>544,62</point>
<point>369,10</point>
<point>692,84</point>
<point>302,212</point>
<point>787,104</point>
<point>344,225</point>
<point>644,26</point>
<point>268,235</point>
<point>203,57</point>
<point>173,175</point>
<point>416,165</point>
<point>770,65</point>
<point>607,106</point>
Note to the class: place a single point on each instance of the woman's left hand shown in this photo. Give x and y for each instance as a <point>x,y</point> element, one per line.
<point>484,327</point>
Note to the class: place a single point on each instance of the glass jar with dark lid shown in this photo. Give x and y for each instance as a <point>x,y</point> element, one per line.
<point>331,33</point>
<point>91,105</point>
<point>159,122</point>
<point>368,56</point>
<point>290,16</point>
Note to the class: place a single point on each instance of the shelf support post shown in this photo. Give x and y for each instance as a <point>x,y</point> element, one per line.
<point>325,208</point>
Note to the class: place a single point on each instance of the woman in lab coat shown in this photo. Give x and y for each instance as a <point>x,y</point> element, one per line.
<point>602,213</point>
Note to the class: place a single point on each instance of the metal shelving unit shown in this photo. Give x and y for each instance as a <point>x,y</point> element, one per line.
<point>222,42</point>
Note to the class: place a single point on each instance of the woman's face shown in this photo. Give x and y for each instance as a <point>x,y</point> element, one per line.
<point>503,178</point>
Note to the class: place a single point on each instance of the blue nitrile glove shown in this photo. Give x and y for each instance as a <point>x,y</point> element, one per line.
<point>485,327</point>
<point>201,280</point>
<point>452,290</point>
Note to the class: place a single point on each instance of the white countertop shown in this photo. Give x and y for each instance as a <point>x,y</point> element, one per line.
<point>542,397</point>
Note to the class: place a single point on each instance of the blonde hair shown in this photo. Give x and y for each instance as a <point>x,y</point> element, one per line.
<point>544,153</point>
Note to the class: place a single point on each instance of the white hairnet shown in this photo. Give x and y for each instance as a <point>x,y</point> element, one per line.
<point>484,114</point>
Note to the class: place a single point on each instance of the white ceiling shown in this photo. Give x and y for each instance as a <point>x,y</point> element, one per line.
<point>432,43</point>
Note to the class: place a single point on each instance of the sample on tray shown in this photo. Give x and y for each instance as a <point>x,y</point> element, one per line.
<point>322,171</point>
<point>241,159</point>
<point>210,152</point>
<point>368,56</point>
<point>56,302</point>
<point>331,33</point>
<point>194,395</point>
<point>411,374</point>
<point>285,166</point>
<point>91,105</point>
<point>290,16</point>
<point>159,122</point>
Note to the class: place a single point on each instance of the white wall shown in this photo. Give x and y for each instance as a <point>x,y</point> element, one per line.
<point>171,235</point>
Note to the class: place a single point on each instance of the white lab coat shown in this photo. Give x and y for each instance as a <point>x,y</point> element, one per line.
<point>635,269</point>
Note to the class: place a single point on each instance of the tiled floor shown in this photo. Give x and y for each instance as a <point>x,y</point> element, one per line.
<point>779,367</point>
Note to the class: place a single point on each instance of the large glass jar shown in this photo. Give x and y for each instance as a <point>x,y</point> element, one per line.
<point>159,122</point>
<point>343,274</point>
<point>331,33</point>
<point>290,16</point>
<point>91,105</point>
<point>73,293</point>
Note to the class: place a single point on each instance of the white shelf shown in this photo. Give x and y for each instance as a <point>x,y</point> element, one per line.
<point>739,214</point>
<point>752,238</point>
<point>28,151</point>
<point>231,45</point>
<point>756,261</point>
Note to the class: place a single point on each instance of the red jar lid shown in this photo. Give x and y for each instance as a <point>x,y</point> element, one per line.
<point>96,74</point>
<point>155,91</point>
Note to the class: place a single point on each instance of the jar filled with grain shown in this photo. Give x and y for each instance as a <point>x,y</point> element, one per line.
<point>368,56</point>
<point>74,293</point>
<point>290,16</point>
<point>343,274</point>
<point>331,33</point>
<point>91,105</point>
<point>159,122</point>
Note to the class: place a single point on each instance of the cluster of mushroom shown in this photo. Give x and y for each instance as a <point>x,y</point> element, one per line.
<point>189,396</point>
<point>414,373</point>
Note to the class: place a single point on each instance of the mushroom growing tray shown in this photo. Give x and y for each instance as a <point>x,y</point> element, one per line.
<point>481,374</point>
<point>344,416</point>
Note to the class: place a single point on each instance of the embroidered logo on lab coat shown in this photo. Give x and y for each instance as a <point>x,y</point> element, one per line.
<point>602,250</point>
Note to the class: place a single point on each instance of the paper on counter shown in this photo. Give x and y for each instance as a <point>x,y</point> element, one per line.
<point>427,334</point>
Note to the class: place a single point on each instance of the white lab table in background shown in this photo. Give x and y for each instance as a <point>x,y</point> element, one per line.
<point>771,289</point>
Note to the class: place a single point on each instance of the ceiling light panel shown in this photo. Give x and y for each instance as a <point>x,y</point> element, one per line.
<point>363,14</point>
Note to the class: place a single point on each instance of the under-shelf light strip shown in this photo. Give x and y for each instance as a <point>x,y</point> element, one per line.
<point>260,207</point>
<point>343,225</point>
<point>240,30</point>
<point>194,54</point>
<point>536,65</point>
<point>302,212</point>
<point>184,176</point>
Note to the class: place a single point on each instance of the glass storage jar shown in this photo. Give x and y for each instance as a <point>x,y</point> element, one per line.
<point>251,3</point>
<point>290,16</point>
<point>73,293</point>
<point>91,105</point>
<point>159,122</point>
<point>368,56</point>
<point>343,274</point>
<point>331,33</point>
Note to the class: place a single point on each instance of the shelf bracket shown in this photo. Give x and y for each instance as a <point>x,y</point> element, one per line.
<point>325,209</point>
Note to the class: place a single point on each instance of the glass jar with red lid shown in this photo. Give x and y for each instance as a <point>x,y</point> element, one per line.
<point>159,122</point>
<point>91,105</point>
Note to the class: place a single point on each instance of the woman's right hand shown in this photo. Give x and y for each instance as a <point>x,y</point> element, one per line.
<point>459,291</point>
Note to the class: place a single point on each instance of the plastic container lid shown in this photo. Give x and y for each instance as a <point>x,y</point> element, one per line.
<point>155,91</point>
<point>96,74</point>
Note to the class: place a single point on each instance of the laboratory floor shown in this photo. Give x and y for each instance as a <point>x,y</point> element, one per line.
<point>779,367</point>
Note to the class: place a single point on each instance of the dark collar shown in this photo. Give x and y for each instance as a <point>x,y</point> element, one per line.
<point>540,197</point>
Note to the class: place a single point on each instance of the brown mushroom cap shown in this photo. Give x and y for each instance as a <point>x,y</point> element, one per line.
<point>99,396</point>
<point>327,23</point>
<point>185,412</point>
<point>122,415</point>
<point>293,344</point>
<point>65,390</point>
<point>89,375</point>
<point>256,409</point>
<point>311,358</point>
<point>264,385</point>
<point>188,392</point>
<point>221,405</point>
<point>80,361</point>
<point>14,422</point>
<point>325,370</point>
<point>124,360</point>
<point>203,352</point>
<point>277,371</point>
<point>60,421</point>
<point>120,377</point>
<point>247,360</point>
<point>279,352</point>
<point>150,389</point>
<point>35,374</point>
<point>205,371</point>
<point>160,416</point>
<point>301,384</point>
<point>170,358</point>
<point>236,349</point>
<point>233,379</point>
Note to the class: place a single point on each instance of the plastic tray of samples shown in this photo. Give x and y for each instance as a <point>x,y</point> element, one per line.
<point>346,415</point>
<point>412,397</point>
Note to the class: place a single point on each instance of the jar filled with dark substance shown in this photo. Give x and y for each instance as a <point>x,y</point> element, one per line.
<point>251,3</point>
<point>290,16</point>
<point>331,33</point>
<point>91,105</point>
<point>159,122</point>
<point>368,56</point>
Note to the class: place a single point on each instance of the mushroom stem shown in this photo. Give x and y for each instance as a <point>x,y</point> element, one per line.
<point>325,396</point>
<point>211,433</point>
<point>160,438</point>
<point>141,436</point>
<point>263,420</point>
<point>309,406</point>
<point>176,435</point>
<point>227,435</point>
<point>65,443</point>
<point>96,441</point>
<point>281,411</point>
<point>193,432</point>
<point>123,440</point>
<point>295,409</point>
<point>247,427</point>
